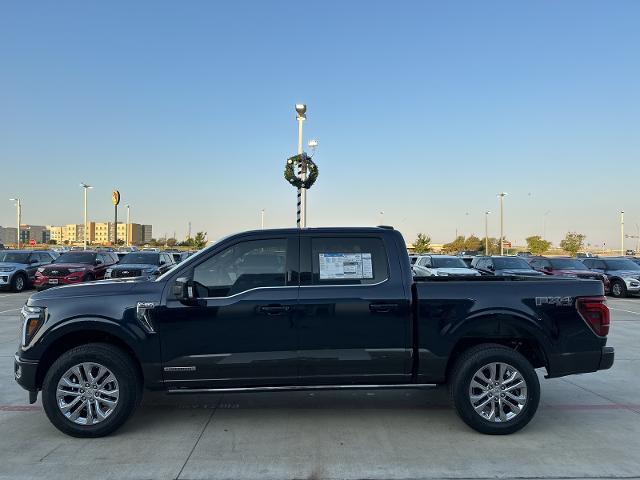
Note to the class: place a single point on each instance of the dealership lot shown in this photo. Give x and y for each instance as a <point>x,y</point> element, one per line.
<point>587,426</point>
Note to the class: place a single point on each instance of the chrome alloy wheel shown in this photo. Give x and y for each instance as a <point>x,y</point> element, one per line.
<point>87,393</point>
<point>498,392</point>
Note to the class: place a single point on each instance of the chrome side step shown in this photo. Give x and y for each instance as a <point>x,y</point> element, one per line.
<point>301,388</point>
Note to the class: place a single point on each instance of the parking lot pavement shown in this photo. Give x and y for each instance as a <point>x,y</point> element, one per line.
<point>588,426</point>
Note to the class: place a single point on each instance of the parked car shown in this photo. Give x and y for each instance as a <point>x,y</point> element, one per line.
<point>497,265</point>
<point>141,264</point>
<point>180,256</point>
<point>442,265</point>
<point>74,267</point>
<point>630,253</point>
<point>413,258</point>
<point>294,309</point>
<point>1,246</point>
<point>624,274</point>
<point>18,267</point>
<point>524,254</point>
<point>568,267</point>
<point>586,255</point>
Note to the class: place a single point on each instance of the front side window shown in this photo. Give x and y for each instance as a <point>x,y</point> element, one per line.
<point>243,266</point>
<point>348,261</point>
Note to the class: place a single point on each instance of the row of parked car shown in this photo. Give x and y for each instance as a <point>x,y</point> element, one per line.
<point>619,275</point>
<point>42,269</point>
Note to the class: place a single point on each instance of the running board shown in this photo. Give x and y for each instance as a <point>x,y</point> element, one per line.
<point>299,388</point>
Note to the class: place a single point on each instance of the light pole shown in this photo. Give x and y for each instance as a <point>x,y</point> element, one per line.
<point>19,215</point>
<point>301,110</point>
<point>85,187</point>
<point>381,217</point>
<point>621,232</point>
<point>502,195</point>
<point>127,227</point>
<point>262,219</point>
<point>486,232</point>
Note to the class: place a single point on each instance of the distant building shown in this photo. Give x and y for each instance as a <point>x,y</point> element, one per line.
<point>8,235</point>
<point>147,233</point>
<point>100,233</point>
<point>37,233</point>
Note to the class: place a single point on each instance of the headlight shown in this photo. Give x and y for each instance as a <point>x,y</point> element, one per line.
<point>76,270</point>
<point>32,320</point>
<point>7,269</point>
<point>442,274</point>
<point>40,269</point>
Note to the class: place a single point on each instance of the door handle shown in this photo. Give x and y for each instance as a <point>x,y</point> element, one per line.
<point>382,307</point>
<point>274,309</point>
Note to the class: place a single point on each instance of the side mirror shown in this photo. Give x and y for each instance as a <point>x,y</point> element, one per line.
<point>32,261</point>
<point>185,290</point>
<point>491,267</point>
<point>548,268</point>
<point>162,262</point>
<point>97,262</point>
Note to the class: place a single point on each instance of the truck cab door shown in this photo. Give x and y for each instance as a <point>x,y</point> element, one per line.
<point>239,329</point>
<point>353,318</point>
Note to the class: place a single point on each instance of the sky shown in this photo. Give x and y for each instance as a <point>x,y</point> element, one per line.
<point>422,110</point>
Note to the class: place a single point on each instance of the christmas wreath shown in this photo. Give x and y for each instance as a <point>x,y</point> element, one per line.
<point>290,174</point>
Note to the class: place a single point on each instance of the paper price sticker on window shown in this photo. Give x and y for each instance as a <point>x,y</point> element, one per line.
<point>345,266</point>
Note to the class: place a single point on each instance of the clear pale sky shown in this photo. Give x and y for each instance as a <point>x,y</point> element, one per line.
<point>423,110</point>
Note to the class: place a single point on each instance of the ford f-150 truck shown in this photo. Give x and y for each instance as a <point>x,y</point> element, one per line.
<point>289,309</point>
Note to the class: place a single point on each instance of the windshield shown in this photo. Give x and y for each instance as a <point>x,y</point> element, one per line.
<point>511,263</point>
<point>621,264</point>
<point>567,264</point>
<point>448,262</point>
<point>76,257</point>
<point>14,257</point>
<point>145,258</point>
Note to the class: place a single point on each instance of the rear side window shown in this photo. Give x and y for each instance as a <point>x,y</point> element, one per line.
<point>348,261</point>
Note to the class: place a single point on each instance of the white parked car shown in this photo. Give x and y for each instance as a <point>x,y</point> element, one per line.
<point>442,266</point>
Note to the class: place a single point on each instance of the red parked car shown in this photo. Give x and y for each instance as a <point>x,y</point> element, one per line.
<point>74,267</point>
<point>567,267</point>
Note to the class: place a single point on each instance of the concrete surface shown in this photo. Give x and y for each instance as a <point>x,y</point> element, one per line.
<point>588,426</point>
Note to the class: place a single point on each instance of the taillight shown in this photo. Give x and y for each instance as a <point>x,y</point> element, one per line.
<point>595,312</point>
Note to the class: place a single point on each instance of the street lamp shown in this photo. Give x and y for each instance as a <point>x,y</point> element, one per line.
<point>621,232</point>
<point>301,110</point>
<point>486,232</point>
<point>85,187</point>
<point>262,219</point>
<point>127,226</point>
<point>19,214</point>
<point>502,195</point>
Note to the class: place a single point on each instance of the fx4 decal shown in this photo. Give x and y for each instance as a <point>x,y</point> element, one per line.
<point>556,301</point>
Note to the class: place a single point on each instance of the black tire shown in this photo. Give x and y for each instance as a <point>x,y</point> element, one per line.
<point>618,289</point>
<point>19,282</point>
<point>469,363</point>
<point>120,365</point>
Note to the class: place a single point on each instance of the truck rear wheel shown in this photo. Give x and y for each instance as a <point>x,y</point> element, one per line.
<point>91,390</point>
<point>494,389</point>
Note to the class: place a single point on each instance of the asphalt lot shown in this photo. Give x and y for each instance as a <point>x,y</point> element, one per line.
<point>588,426</point>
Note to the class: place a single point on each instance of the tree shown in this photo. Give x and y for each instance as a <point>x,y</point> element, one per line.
<point>494,246</point>
<point>172,242</point>
<point>52,242</point>
<point>200,240</point>
<point>472,244</point>
<point>573,243</point>
<point>536,245</point>
<point>422,244</point>
<point>456,246</point>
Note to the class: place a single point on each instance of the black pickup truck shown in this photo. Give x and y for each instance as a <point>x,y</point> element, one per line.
<point>307,309</point>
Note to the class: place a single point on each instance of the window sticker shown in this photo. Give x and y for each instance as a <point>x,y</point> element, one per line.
<point>345,266</point>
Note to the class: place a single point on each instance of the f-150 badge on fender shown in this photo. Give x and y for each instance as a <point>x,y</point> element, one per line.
<point>557,301</point>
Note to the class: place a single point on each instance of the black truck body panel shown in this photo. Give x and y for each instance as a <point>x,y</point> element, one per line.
<point>396,331</point>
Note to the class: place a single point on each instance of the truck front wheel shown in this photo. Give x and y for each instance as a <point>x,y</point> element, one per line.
<point>494,389</point>
<point>91,390</point>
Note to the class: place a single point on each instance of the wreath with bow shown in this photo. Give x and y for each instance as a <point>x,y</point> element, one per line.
<point>311,168</point>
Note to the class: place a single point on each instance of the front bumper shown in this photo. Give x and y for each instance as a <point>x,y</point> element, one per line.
<point>25,373</point>
<point>5,279</point>
<point>42,282</point>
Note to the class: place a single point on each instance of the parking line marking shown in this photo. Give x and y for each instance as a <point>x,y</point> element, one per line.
<point>12,310</point>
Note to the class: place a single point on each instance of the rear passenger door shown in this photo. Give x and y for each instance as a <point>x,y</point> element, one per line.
<point>353,318</point>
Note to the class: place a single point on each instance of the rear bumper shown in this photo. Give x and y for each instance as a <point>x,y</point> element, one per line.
<point>580,362</point>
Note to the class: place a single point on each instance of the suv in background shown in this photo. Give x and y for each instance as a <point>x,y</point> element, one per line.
<point>624,274</point>
<point>141,264</point>
<point>74,267</point>
<point>442,266</point>
<point>18,267</point>
<point>497,265</point>
<point>567,267</point>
